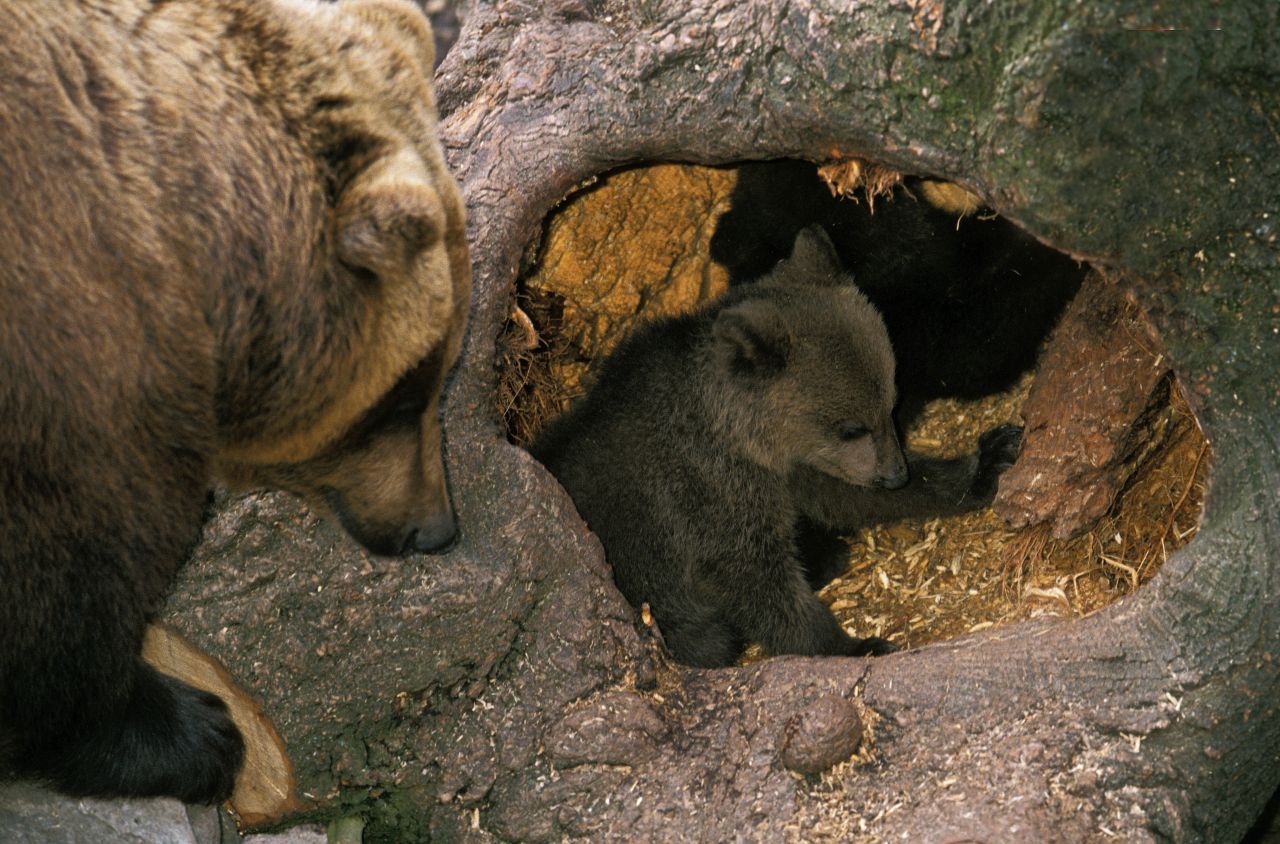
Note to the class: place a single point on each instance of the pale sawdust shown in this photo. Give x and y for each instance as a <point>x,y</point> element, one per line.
<point>921,581</point>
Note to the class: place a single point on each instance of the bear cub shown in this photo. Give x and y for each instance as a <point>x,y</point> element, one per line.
<point>720,453</point>
<point>966,303</point>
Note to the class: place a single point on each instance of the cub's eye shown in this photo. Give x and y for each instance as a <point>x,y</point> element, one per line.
<point>849,431</point>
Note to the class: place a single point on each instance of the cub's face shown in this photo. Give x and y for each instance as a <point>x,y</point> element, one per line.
<point>836,409</point>
<point>817,372</point>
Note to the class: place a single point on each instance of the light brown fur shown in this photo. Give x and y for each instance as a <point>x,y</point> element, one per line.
<point>229,246</point>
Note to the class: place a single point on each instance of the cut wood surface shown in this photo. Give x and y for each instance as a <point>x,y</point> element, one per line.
<point>265,788</point>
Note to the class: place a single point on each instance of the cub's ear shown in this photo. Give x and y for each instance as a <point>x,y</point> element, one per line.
<point>384,222</point>
<point>814,259</point>
<point>752,338</point>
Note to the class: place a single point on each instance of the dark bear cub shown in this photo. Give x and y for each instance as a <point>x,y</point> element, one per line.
<point>721,451</point>
<point>966,303</point>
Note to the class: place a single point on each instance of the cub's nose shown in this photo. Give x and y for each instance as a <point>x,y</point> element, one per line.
<point>434,533</point>
<point>895,481</point>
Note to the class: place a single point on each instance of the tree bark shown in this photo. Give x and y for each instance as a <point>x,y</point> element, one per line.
<point>1092,415</point>
<point>505,689</point>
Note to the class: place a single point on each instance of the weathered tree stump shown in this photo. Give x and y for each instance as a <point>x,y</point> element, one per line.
<point>443,695</point>
<point>1090,417</point>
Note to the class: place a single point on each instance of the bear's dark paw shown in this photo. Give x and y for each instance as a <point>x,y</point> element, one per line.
<point>872,646</point>
<point>997,450</point>
<point>208,748</point>
<point>173,741</point>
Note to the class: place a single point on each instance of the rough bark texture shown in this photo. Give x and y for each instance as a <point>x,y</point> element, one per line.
<point>504,689</point>
<point>1097,409</point>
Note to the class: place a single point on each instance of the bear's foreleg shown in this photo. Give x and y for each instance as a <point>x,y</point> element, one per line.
<point>936,487</point>
<point>86,556</point>
<point>168,739</point>
<point>778,609</point>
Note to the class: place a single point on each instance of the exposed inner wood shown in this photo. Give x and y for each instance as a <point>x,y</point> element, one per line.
<point>266,788</point>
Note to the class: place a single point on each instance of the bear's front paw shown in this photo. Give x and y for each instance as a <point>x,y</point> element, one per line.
<point>872,646</point>
<point>170,740</point>
<point>997,450</point>
<point>208,748</point>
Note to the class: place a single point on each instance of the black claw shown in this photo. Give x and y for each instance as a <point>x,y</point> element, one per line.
<point>874,646</point>
<point>1004,440</point>
<point>997,451</point>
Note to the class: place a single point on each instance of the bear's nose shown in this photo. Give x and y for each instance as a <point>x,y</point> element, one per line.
<point>435,533</point>
<point>895,481</point>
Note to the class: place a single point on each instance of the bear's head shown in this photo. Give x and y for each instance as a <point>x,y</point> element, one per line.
<point>365,441</point>
<point>813,371</point>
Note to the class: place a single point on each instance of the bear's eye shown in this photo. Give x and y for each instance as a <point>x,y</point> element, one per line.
<point>849,431</point>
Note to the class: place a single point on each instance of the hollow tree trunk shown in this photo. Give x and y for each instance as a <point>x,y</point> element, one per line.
<point>504,689</point>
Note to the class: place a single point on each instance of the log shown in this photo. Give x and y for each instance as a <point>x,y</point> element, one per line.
<point>1091,417</point>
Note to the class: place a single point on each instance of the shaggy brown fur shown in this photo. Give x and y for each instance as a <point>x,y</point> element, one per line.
<point>721,454</point>
<point>228,245</point>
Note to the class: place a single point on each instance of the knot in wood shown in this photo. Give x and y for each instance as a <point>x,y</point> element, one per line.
<point>824,733</point>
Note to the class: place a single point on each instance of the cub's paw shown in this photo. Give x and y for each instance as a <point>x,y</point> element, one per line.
<point>872,646</point>
<point>997,450</point>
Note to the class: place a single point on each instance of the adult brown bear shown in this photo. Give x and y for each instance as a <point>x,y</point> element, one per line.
<point>228,247</point>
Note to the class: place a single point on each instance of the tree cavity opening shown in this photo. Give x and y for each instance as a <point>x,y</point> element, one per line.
<point>975,309</point>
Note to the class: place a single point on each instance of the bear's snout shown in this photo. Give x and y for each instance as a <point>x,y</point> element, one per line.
<point>896,480</point>
<point>435,533</point>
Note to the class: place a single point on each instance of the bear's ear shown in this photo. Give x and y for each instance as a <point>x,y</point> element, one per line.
<point>383,226</point>
<point>403,24</point>
<point>752,338</point>
<point>814,259</point>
